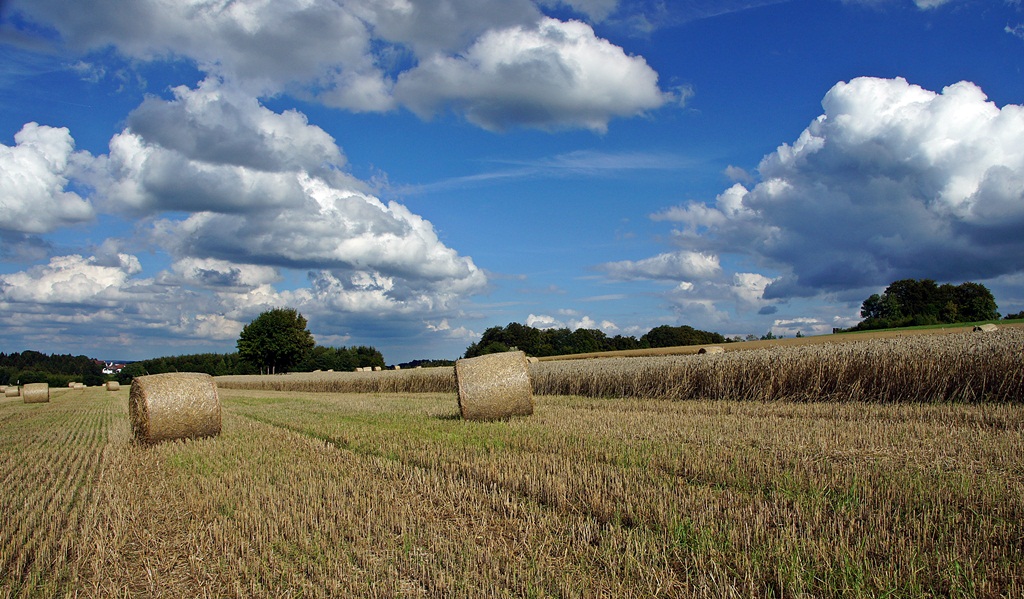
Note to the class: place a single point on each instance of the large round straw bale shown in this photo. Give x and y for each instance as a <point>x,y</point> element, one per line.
<point>494,386</point>
<point>986,328</point>
<point>12,391</point>
<point>36,392</point>
<point>376,368</point>
<point>79,385</point>
<point>113,386</point>
<point>72,384</point>
<point>711,349</point>
<point>176,405</point>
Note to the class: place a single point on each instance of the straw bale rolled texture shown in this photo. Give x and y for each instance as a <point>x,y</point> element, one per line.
<point>36,392</point>
<point>12,392</point>
<point>494,386</point>
<point>113,386</point>
<point>711,349</point>
<point>177,405</point>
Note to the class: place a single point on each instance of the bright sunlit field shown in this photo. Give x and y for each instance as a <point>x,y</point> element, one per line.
<point>326,494</point>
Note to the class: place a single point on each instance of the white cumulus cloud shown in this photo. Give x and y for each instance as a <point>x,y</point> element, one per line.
<point>501,63</point>
<point>891,181</point>
<point>34,178</point>
<point>69,280</point>
<point>551,75</point>
<point>675,266</point>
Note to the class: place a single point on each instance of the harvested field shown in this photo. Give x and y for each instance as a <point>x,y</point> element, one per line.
<point>393,495</point>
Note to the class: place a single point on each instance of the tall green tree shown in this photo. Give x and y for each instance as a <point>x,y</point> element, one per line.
<point>276,340</point>
<point>909,302</point>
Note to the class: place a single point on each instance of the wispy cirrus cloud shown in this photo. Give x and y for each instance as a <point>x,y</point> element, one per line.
<point>580,163</point>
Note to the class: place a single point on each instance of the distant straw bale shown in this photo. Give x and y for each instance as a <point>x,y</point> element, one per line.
<point>79,385</point>
<point>113,386</point>
<point>986,328</point>
<point>711,349</point>
<point>376,368</point>
<point>177,405</point>
<point>12,391</point>
<point>72,384</point>
<point>36,393</point>
<point>494,386</point>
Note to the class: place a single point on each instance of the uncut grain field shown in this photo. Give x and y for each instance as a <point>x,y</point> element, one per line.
<point>795,487</point>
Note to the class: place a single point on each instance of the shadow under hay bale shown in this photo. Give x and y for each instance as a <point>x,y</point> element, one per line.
<point>113,386</point>
<point>12,391</point>
<point>36,392</point>
<point>494,386</point>
<point>177,405</point>
<point>711,349</point>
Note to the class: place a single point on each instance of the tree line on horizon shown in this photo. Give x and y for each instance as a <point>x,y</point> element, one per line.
<point>278,341</point>
<point>563,341</point>
<point>57,370</point>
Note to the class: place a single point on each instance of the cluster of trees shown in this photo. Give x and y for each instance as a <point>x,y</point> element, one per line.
<point>278,341</point>
<point>559,342</point>
<point>913,302</point>
<point>56,369</point>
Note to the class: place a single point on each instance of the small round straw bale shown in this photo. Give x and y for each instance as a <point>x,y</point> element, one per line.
<point>176,405</point>
<point>12,391</point>
<point>113,386</point>
<point>36,392</point>
<point>494,386</point>
<point>711,349</point>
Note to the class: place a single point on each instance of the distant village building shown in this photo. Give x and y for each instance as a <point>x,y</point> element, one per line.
<point>112,367</point>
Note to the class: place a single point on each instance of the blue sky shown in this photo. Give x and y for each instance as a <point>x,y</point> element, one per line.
<point>408,173</point>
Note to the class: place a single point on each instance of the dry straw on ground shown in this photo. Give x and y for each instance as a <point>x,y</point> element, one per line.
<point>36,393</point>
<point>12,392</point>
<point>494,386</point>
<point>179,405</point>
<point>113,386</point>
